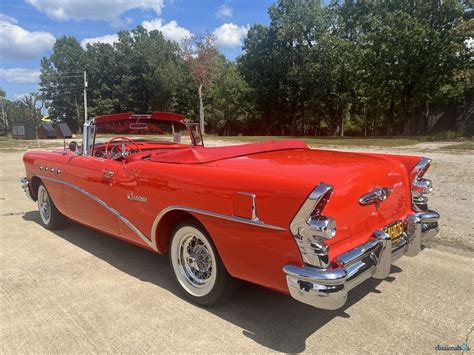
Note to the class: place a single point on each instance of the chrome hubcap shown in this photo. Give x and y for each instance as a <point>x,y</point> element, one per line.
<point>45,206</point>
<point>195,261</point>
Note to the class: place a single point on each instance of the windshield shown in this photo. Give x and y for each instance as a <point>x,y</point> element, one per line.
<point>119,137</point>
<point>144,130</point>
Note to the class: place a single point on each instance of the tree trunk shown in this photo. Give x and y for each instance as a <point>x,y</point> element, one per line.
<point>293,126</point>
<point>78,119</point>
<point>342,123</point>
<point>365,122</point>
<point>426,123</point>
<point>201,108</point>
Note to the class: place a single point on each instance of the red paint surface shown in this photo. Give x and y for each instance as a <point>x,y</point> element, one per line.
<point>281,180</point>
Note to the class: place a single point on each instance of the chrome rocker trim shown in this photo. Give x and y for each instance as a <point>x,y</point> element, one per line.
<point>25,185</point>
<point>151,243</point>
<point>328,288</point>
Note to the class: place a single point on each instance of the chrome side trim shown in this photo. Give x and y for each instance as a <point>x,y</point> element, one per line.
<point>256,223</point>
<point>151,244</point>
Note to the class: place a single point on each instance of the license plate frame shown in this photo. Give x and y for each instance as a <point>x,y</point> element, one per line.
<point>394,229</point>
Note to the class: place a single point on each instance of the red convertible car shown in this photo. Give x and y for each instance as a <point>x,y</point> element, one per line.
<point>310,223</point>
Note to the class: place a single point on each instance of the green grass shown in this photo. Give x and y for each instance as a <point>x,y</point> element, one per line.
<point>345,141</point>
<point>466,145</point>
<point>8,144</point>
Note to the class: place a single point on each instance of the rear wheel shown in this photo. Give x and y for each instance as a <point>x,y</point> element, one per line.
<point>50,216</point>
<point>197,267</point>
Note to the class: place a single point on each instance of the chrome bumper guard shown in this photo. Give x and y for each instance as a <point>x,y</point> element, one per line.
<point>25,185</point>
<point>328,288</point>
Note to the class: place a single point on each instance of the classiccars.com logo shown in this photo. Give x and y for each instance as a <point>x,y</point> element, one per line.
<point>460,347</point>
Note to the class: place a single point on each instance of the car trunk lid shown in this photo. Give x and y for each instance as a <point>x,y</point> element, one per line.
<point>351,174</point>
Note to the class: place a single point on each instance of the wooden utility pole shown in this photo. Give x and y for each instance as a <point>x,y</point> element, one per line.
<point>85,97</point>
<point>4,116</point>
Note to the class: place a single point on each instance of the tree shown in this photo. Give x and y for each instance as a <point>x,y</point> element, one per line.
<point>261,69</point>
<point>3,101</point>
<point>229,102</point>
<point>30,103</point>
<point>408,51</point>
<point>61,81</point>
<point>373,65</point>
<point>22,110</point>
<point>200,52</point>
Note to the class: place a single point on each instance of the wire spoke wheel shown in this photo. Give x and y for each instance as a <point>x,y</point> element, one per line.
<point>194,261</point>
<point>197,266</point>
<point>50,215</point>
<point>44,205</point>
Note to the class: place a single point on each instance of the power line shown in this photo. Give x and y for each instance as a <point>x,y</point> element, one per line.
<point>64,76</point>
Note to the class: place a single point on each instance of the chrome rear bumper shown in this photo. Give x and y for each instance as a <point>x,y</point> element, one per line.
<point>25,185</point>
<point>328,288</point>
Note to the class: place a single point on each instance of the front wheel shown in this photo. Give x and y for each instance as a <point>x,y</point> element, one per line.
<point>50,216</point>
<point>197,267</point>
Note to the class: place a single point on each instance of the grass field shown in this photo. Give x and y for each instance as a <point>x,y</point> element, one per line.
<point>9,144</point>
<point>345,141</point>
<point>466,145</point>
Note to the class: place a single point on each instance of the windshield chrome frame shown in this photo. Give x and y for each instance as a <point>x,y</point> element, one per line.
<point>86,131</point>
<point>89,129</point>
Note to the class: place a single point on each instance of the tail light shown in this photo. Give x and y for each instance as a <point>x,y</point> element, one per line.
<point>420,187</point>
<point>311,228</point>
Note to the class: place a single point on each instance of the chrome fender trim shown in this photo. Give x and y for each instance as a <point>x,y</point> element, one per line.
<point>129,224</point>
<point>152,243</point>
<point>252,222</point>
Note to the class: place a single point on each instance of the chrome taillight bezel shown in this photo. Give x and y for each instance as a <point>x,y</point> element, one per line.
<point>420,187</point>
<point>310,228</point>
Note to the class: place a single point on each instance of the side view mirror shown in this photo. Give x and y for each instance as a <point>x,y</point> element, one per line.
<point>72,146</point>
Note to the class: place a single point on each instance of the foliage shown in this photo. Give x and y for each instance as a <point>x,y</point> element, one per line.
<point>229,99</point>
<point>23,109</point>
<point>200,53</point>
<point>379,66</point>
<point>61,81</point>
<point>368,67</point>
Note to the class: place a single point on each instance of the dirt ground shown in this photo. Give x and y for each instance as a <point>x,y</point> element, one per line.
<point>452,173</point>
<point>77,290</point>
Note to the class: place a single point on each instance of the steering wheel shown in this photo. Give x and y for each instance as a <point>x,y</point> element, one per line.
<point>123,152</point>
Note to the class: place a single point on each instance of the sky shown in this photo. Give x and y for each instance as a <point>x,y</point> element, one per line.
<point>28,28</point>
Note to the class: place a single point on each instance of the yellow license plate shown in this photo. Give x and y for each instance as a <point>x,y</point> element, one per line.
<point>394,230</point>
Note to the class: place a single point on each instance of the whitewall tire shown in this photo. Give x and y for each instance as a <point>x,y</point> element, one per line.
<point>197,267</point>
<point>50,216</point>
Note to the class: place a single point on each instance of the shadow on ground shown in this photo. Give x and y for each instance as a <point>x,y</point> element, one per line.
<point>269,318</point>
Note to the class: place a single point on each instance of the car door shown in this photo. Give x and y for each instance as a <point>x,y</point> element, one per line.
<point>90,194</point>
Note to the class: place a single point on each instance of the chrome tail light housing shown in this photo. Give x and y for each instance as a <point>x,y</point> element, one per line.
<point>420,187</point>
<point>311,228</point>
